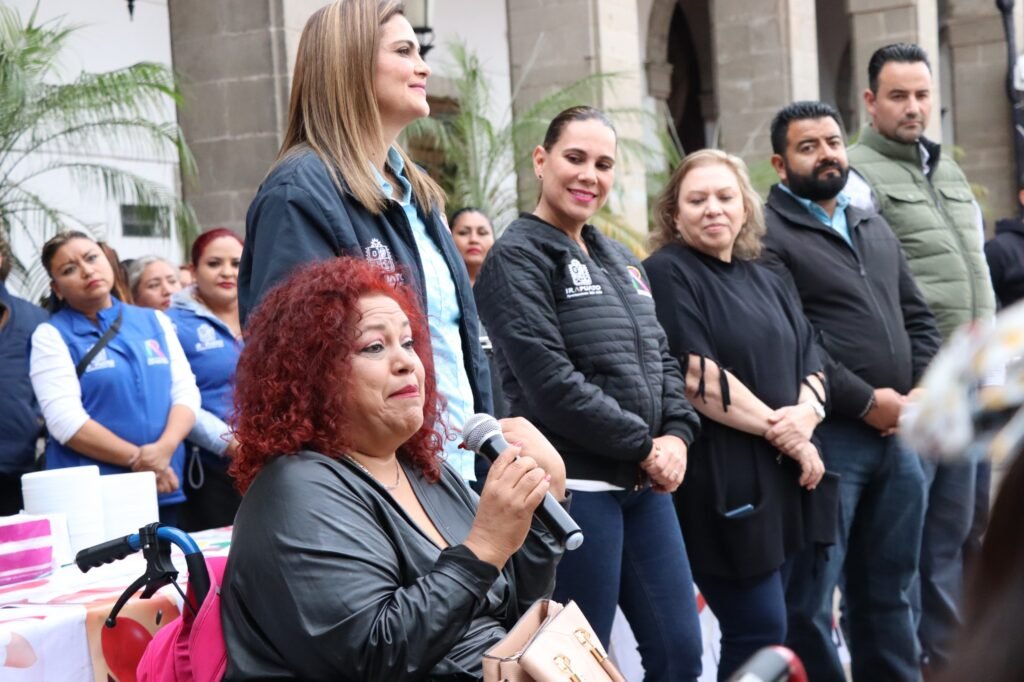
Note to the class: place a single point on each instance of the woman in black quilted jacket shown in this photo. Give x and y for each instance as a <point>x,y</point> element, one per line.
<point>583,357</point>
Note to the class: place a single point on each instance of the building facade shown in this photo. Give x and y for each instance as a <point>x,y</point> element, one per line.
<point>107,38</point>
<point>717,69</point>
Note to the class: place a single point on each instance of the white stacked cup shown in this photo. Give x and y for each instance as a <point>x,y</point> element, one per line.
<point>74,492</point>
<point>129,502</point>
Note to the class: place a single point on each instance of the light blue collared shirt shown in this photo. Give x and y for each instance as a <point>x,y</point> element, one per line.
<point>444,317</point>
<point>838,220</point>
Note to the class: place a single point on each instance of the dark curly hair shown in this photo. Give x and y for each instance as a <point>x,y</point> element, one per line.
<point>295,369</point>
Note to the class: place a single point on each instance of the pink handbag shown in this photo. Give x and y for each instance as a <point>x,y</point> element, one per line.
<point>191,649</point>
<point>550,643</point>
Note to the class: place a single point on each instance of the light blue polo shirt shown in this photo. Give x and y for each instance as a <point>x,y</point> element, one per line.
<point>444,317</point>
<point>838,220</point>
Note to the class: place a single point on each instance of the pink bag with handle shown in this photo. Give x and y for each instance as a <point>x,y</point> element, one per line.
<point>192,647</point>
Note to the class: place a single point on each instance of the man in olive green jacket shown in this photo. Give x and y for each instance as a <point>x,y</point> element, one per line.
<point>927,201</point>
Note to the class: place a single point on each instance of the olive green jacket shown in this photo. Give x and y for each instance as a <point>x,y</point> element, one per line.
<point>935,219</point>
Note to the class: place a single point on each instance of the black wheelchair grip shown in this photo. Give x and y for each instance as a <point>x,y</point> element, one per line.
<point>103,553</point>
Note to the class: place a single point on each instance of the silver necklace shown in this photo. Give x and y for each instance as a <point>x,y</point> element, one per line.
<point>389,488</point>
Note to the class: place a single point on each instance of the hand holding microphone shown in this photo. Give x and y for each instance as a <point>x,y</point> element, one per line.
<point>483,434</point>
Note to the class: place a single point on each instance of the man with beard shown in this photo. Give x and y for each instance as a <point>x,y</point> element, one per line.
<point>927,201</point>
<point>876,335</point>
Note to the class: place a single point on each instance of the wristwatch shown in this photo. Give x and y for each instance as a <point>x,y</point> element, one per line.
<point>818,408</point>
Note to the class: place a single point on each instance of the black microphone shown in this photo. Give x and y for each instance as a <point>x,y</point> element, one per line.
<point>482,434</point>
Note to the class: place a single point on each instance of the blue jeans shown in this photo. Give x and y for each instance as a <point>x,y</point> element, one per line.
<point>947,527</point>
<point>881,514</point>
<point>633,556</point>
<point>751,613</point>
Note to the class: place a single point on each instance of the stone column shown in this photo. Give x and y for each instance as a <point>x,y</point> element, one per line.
<point>877,23</point>
<point>764,61</point>
<point>235,59</point>
<point>981,110</point>
<point>553,44</point>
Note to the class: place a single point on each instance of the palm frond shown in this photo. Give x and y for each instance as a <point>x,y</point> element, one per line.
<point>50,126</point>
<point>487,152</point>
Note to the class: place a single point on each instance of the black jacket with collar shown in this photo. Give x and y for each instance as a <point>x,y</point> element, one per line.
<point>869,316</point>
<point>1005,256</point>
<point>299,216</point>
<point>580,349</point>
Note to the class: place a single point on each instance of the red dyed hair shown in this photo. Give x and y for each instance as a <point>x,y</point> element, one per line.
<point>203,240</point>
<point>295,370</point>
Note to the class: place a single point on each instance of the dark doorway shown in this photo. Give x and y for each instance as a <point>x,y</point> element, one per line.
<point>684,104</point>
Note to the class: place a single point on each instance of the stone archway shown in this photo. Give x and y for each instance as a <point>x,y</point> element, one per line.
<point>680,74</point>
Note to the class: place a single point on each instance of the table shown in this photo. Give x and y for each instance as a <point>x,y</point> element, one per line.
<point>51,628</point>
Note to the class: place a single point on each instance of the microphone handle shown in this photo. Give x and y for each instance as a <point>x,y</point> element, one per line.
<point>550,513</point>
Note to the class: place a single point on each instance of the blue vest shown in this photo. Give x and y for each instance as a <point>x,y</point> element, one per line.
<point>20,422</point>
<point>126,387</point>
<point>212,351</point>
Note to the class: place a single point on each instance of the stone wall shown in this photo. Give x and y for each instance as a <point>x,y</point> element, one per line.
<point>233,57</point>
<point>981,110</point>
<point>554,43</point>
<point>763,62</point>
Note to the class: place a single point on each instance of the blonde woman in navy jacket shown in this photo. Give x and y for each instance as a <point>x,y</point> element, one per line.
<point>205,316</point>
<point>135,402</point>
<point>342,185</point>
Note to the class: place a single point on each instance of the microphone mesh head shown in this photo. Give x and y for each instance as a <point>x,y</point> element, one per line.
<point>477,429</point>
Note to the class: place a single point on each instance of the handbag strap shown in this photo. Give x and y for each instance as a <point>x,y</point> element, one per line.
<point>100,345</point>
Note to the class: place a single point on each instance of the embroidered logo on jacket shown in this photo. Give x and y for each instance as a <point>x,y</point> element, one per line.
<point>154,354</point>
<point>207,338</point>
<point>583,285</point>
<point>101,361</point>
<point>639,285</point>
<point>379,254</point>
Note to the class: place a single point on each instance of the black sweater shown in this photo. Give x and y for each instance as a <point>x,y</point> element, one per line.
<point>870,318</point>
<point>580,349</point>
<point>742,317</point>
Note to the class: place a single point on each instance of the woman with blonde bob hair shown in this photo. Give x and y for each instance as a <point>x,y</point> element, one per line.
<point>753,372</point>
<point>748,242</point>
<point>342,185</point>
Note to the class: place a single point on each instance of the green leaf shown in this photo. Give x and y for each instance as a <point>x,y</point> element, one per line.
<point>48,125</point>
<point>483,153</point>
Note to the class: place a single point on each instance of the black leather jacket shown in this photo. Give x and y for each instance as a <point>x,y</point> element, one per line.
<point>328,579</point>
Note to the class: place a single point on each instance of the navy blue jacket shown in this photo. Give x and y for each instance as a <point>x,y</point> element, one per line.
<point>20,421</point>
<point>299,216</point>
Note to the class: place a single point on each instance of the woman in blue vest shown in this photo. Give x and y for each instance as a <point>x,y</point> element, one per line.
<point>205,316</point>
<point>125,405</point>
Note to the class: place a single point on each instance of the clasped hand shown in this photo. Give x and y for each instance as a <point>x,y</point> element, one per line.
<point>666,464</point>
<point>791,426</point>
<point>156,457</point>
<point>790,432</point>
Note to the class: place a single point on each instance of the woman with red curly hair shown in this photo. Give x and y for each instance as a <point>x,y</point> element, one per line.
<point>358,553</point>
